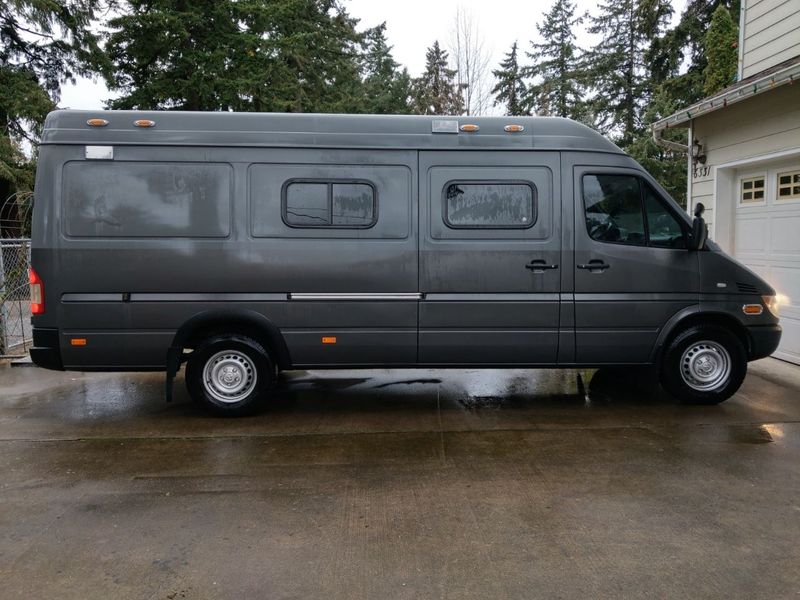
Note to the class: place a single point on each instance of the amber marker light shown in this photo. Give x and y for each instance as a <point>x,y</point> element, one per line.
<point>752,309</point>
<point>513,128</point>
<point>329,340</point>
<point>77,341</point>
<point>469,127</point>
<point>96,122</point>
<point>144,123</point>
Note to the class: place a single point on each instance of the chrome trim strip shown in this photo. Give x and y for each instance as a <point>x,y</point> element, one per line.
<point>351,296</point>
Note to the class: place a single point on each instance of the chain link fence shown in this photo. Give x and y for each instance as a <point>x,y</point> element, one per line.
<point>15,259</point>
<point>15,298</point>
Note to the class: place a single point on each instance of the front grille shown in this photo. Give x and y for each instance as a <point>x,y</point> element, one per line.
<point>746,288</point>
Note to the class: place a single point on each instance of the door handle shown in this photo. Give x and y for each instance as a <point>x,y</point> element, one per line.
<point>595,265</point>
<point>539,266</point>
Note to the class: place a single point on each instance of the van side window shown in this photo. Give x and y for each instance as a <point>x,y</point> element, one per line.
<point>491,205</point>
<point>614,213</point>
<point>339,204</point>
<point>613,205</point>
<point>663,229</point>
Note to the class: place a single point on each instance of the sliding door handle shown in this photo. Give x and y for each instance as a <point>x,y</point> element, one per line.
<point>595,265</point>
<point>539,266</point>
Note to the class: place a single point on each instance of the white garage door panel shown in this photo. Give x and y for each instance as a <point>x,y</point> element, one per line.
<point>790,340</point>
<point>751,235</point>
<point>786,235</point>
<point>786,280</point>
<point>767,239</point>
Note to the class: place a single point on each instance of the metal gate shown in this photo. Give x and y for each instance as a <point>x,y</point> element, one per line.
<point>15,259</point>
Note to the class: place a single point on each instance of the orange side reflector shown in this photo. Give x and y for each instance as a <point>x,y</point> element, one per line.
<point>328,340</point>
<point>752,309</point>
<point>513,128</point>
<point>469,127</point>
<point>96,122</point>
<point>78,341</point>
<point>144,123</point>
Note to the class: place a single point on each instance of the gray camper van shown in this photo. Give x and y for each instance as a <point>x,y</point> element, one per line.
<point>245,244</point>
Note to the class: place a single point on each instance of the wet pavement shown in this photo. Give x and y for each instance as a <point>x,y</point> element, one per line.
<point>400,484</point>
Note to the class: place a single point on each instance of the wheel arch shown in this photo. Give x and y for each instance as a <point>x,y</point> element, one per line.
<point>694,315</point>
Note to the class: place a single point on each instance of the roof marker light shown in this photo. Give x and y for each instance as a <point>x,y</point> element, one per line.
<point>144,123</point>
<point>96,122</point>
<point>513,128</point>
<point>469,127</point>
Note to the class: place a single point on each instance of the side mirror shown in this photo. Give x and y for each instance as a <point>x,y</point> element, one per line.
<point>699,229</point>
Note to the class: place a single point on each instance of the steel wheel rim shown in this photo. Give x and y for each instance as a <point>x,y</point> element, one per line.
<point>705,366</point>
<point>229,376</point>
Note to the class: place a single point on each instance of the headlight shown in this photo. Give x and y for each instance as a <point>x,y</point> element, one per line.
<point>773,303</point>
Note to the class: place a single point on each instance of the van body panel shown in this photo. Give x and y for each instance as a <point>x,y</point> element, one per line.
<point>637,290</point>
<point>354,241</point>
<point>482,270</point>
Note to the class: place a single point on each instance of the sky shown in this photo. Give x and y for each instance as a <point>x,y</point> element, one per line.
<point>411,27</point>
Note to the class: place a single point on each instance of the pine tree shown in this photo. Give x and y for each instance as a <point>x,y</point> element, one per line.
<point>556,88</point>
<point>618,66</point>
<point>687,40</point>
<point>387,88</point>
<point>42,45</point>
<point>435,92</point>
<point>721,51</point>
<point>263,55</point>
<point>510,89</point>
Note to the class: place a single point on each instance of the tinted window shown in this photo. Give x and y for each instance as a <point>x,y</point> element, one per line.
<point>663,229</point>
<point>307,204</point>
<point>489,205</point>
<point>613,207</point>
<point>329,204</point>
<point>353,204</point>
<point>138,199</point>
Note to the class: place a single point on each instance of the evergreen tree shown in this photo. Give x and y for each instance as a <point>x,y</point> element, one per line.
<point>687,41</point>
<point>721,51</point>
<point>42,44</point>
<point>263,55</point>
<point>667,166</point>
<point>435,92</point>
<point>556,88</point>
<point>619,67</point>
<point>510,89</point>
<point>387,89</point>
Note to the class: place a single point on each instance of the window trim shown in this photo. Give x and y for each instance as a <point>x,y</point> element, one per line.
<point>529,184</point>
<point>792,184</point>
<point>659,198</point>
<point>740,192</point>
<point>329,182</point>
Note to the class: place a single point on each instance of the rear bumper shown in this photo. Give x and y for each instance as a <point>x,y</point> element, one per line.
<point>764,340</point>
<point>46,352</point>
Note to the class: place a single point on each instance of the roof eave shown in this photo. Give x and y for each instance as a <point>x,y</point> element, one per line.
<point>731,95</point>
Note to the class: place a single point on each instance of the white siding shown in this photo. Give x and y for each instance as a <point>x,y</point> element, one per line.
<point>762,125</point>
<point>771,34</point>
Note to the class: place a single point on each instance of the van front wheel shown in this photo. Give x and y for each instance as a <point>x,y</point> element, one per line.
<point>231,375</point>
<point>704,365</point>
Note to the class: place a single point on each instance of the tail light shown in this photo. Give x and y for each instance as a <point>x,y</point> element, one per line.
<point>37,293</point>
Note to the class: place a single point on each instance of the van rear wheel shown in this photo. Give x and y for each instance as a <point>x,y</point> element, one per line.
<point>230,374</point>
<point>704,365</point>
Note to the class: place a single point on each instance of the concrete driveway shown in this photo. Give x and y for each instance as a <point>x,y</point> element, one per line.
<point>400,484</point>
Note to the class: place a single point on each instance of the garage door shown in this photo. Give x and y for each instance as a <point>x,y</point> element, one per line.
<point>767,239</point>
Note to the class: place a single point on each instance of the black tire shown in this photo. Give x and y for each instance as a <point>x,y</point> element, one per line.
<point>238,379</point>
<point>686,376</point>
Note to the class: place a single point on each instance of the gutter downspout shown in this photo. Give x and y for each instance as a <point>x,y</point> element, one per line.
<point>668,144</point>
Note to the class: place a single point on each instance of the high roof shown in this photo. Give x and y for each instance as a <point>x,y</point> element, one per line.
<point>320,130</point>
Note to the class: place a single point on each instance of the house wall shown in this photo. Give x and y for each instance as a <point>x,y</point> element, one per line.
<point>770,34</point>
<point>758,127</point>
